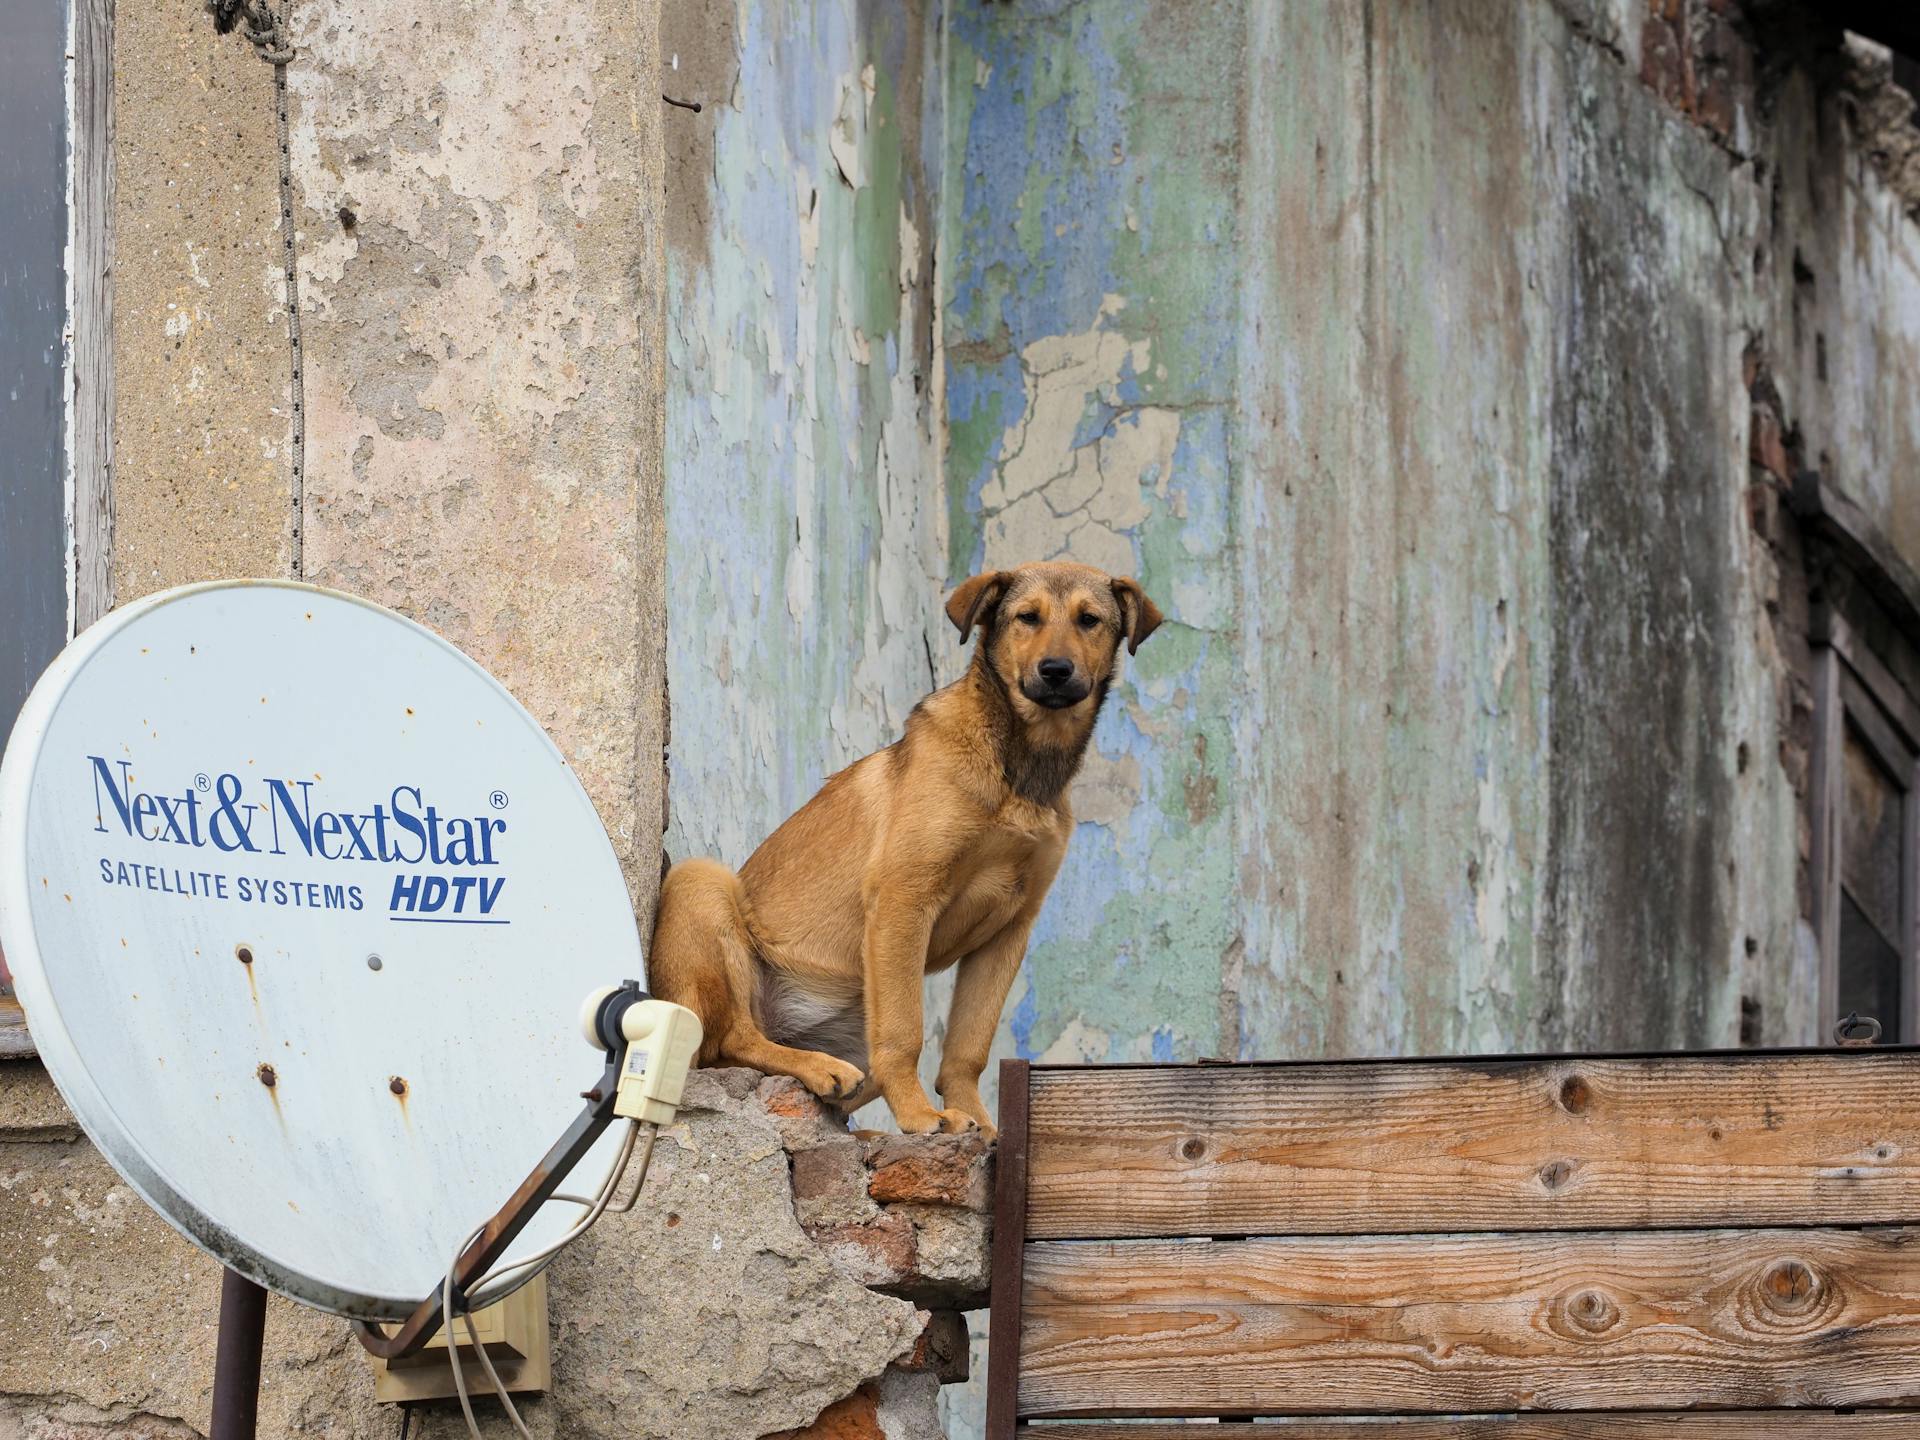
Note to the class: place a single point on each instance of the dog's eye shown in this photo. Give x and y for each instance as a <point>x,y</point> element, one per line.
<point>1089,620</point>
<point>1028,617</point>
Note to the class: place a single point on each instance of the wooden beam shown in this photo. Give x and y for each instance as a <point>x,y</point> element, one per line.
<point>1666,1425</point>
<point>90,281</point>
<point>1453,1324</point>
<point>1825,627</point>
<point>1009,1251</point>
<point>1827,789</point>
<point>1860,542</point>
<point>15,1042</point>
<point>1739,1138</point>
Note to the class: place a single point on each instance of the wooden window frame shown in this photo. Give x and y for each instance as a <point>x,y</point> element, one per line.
<point>89,388</point>
<point>1852,688</point>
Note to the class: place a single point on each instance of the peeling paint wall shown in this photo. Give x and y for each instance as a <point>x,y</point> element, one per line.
<point>1842,314</point>
<point>1092,290</point>
<point>805,539</point>
<point>1401,354</point>
<point>1426,429</point>
<point>480,248</point>
<point>1403,357</point>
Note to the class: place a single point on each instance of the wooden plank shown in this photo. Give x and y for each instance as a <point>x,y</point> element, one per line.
<point>1827,627</point>
<point>1466,1324</point>
<point>1666,1425</point>
<point>1858,539</point>
<point>1547,1144</point>
<point>15,1042</point>
<point>1826,786</point>
<point>1009,1252</point>
<point>1881,737</point>
<point>90,282</point>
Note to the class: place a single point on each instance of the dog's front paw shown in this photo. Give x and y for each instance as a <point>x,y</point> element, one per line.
<point>966,1101</point>
<point>831,1079</point>
<point>919,1119</point>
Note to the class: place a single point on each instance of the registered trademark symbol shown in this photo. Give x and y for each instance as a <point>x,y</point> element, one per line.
<point>202,783</point>
<point>498,799</point>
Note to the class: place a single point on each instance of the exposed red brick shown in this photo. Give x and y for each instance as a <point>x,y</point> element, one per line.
<point>1763,510</point>
<point>783,1095</point>
<point>1767,445</point>
<point>948,1170</point>
<point>1663,61</point>
<point>855,1418</point>
<point>828,1170</point>
<point>1693,58</point>
<point>875,1252</point>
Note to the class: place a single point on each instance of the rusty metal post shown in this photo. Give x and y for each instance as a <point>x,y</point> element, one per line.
<point>236,1365</point>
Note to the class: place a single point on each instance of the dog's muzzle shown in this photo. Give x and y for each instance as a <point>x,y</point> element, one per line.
<point>1056,697</point>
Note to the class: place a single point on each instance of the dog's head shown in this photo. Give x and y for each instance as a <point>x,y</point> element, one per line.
<point>1051,630</point>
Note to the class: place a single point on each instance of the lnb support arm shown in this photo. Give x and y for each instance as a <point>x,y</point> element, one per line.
<point>513,1217</point>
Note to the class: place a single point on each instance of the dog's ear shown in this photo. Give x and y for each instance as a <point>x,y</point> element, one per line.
<point>975,598</point>
<point>1139,616</point>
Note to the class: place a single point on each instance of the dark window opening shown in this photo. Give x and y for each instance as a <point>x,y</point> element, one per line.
<point>1906,74</point>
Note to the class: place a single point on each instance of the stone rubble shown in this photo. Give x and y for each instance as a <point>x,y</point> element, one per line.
<point>781,1276</point>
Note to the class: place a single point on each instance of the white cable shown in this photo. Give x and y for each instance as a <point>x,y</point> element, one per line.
<point>453,1339</point>
<point>446,1297</point>
<point>493,1378</point>
<point>478,1298</point>
<point>646,1159</point>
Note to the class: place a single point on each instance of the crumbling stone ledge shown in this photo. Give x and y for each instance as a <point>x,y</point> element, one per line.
<point>907,1215</point>
<point>782,1276</point>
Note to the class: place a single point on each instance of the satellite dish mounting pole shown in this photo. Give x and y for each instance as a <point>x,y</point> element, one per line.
<point>236,1365</point>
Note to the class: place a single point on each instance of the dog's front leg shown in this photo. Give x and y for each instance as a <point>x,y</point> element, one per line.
<point>980,988</point>
<point>899,923</point>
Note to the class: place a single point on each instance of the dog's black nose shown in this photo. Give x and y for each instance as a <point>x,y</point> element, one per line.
<point>1056,671</point>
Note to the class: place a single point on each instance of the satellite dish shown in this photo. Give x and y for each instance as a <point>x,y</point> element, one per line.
<point>301,904</point>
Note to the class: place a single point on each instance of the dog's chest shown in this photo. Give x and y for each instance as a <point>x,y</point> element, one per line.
<point>996,883</point>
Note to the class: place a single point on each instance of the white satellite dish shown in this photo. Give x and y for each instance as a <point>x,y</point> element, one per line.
<point>300,904</point>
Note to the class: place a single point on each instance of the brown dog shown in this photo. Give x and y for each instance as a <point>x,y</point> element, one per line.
<point>936,851</point>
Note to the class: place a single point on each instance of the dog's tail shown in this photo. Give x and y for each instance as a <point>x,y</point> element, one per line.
<point>702,955</point>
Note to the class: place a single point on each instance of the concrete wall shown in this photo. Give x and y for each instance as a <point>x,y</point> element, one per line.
<point>478,207</point>
<point>481,269</point>
<point>777,1268</point>
<point>203,414</point>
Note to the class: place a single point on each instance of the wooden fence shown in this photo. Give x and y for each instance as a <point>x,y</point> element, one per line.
<point>1596,1248</point>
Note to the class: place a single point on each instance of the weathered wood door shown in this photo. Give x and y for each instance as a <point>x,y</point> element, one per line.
<point>1698,1247</point>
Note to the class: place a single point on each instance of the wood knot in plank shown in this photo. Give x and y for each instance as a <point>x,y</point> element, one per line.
<point>1576,1096</point>
<point>1789,1285</point>
<point>1556,1173</point>
<point>1590,1312</point>
<point>1789,1297</point>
